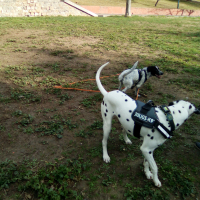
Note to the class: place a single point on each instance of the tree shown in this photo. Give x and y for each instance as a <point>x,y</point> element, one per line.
<point>156,2</point>
<point>177,3</point>
<point>128,8</point>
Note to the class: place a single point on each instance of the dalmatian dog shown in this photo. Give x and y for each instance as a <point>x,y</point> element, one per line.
<point>133,77</point>
<point>121,105</point>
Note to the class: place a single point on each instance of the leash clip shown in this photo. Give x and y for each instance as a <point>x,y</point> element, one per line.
<point>165,109</point>
<point>169,116</point>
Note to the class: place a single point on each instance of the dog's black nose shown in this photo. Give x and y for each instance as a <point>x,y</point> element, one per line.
<point>161,73</point>
<point>197,111</point>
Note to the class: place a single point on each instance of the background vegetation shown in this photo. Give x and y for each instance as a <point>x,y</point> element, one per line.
<point>184,4</point>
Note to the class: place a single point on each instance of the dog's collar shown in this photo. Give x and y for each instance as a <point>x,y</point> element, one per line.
<point>169,116</point>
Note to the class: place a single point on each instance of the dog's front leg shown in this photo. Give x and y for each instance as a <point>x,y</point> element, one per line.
<point>137,92</point>
<point>148,154</point>
<point>126,139</point>
<point>124,90</point>
<point>120,85</point>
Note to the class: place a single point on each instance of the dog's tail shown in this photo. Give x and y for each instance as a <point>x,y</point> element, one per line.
<point>126,72</point>
<point>100,86</point>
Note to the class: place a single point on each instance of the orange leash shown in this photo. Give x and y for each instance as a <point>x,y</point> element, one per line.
<point>60,87</point>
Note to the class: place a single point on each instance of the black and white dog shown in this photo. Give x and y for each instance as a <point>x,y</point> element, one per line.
<point>121,105</point>
<point>133,77</point>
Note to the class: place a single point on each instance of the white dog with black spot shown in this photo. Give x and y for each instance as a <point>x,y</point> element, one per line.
<point>121,105</point>
<point>133,77</point>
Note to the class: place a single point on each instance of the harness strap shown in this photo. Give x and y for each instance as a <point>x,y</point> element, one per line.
<point>160,127</point>
<point>136,130</point>
<point>163,130</point>
<point>140,77</point>
<point>145,75</point>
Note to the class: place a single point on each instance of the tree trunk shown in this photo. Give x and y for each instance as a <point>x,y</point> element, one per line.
<point>128,8</point>
<point>178,4</point>
<point>156,2</point>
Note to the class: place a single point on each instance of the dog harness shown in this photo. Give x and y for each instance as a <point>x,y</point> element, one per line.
<point>140,77</point>
<point>145,115</point>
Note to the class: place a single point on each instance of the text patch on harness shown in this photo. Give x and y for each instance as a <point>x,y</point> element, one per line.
<point>143,118</point>
<point>145,114</point>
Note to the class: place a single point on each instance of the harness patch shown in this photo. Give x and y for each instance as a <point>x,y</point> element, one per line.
<point>145,114</point>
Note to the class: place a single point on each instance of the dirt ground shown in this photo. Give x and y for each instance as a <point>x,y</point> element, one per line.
<point>24,51</point>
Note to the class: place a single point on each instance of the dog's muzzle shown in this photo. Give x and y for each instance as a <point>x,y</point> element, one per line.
<point>159,75</point>
<point>197,111</point>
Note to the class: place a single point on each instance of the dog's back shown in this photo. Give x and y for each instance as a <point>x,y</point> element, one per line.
<point>127,72</point>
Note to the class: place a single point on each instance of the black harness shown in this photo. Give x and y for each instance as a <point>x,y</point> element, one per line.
<point>145,115</point>
<point>140,77</point>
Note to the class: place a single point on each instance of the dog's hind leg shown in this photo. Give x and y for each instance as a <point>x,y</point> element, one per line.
<point>126,139</point>
<point>107,115</point>
<point>126,88</point>
<point>137,92</point>
<point>106,132</point>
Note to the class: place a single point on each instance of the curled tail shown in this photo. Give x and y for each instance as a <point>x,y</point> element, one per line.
<point>126,72</point>
<point>100,86</point>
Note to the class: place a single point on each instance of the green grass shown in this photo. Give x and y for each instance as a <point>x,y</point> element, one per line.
<point>49,182</point>
<point>176,37</point>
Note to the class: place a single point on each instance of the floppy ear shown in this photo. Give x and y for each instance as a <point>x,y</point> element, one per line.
<point>171,104</point>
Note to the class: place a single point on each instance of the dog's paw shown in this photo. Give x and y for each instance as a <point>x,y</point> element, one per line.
<point>128,142</point>
<point>106,159</point>
<point>137,95</point>
<point>157,183</point>
<point>149,175</point>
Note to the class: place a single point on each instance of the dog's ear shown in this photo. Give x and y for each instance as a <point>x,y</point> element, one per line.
<point>171,104</point>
